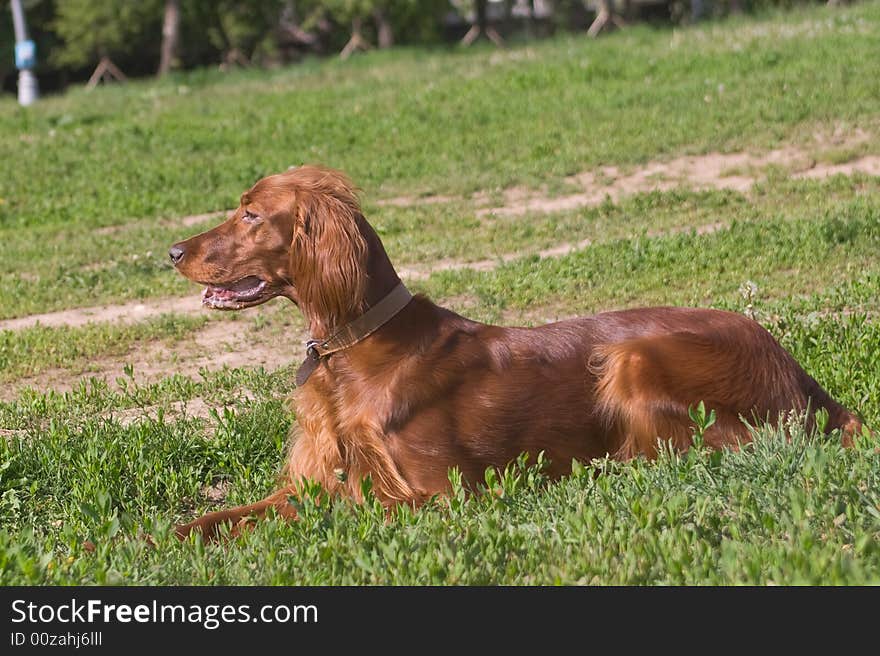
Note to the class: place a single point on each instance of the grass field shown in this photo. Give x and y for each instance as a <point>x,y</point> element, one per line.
<point>487,174</point>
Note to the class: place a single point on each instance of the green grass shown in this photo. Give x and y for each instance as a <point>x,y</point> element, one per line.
<point>448,122</point>
<point>404,122</point>
<point>784,256</point>
<point>88,203</point>
<point>793,240</point>
<point>132,264</point>
<point>799,512</point>
<point>33,350</point>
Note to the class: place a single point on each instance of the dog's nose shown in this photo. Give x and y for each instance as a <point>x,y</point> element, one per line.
<point>176,253</point>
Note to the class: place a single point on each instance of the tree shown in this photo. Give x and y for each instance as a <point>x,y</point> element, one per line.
<point>96,31</point>
<point>353,13</point>
<point>170,35</point>
<point>242,31</point>
<point>480,25</point>
<point>385,14</point>
<point>384,28</point>
<point>606,15</point>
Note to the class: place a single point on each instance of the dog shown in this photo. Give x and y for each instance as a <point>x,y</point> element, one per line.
<point>399,389</point>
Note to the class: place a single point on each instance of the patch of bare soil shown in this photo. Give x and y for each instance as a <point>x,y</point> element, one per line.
<point>869,165</point>
<point>196,219</point>
<point>195,408</point>
<point>235,344</point>
<point>421,273</point>
<point>410,201</point>
<point>125,312</point>
<point>187,221</point>
<point>559,250</point>
<point>217,492</point>
<point>191,304</point>
<point>735,171</point>
<point>192,409</point>
<point>218,344</point>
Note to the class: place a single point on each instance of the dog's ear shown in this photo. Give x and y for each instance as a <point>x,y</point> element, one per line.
<point>328,260</point>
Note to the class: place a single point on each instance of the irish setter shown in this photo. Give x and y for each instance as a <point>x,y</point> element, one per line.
<point>412,389</point>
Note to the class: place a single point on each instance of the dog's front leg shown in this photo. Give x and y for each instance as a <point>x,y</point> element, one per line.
<point>238,519</point>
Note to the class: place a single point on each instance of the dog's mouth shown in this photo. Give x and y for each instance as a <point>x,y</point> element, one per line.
<point>243,293</point>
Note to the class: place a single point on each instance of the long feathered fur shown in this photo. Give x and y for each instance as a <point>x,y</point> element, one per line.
<point>431,390</point>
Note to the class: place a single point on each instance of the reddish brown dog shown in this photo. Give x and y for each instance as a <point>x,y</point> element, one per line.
<point>402,390</point>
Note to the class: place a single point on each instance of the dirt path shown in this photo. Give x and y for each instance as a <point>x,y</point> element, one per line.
<point>191,304</point>
<point>737,171</point>
<point>218,344</point>
<point>224,343</point>
<point>186,221</point>
<point>715,170</point>
<point>126,312</point>
<point>559,250</point>
<point>231,343</point>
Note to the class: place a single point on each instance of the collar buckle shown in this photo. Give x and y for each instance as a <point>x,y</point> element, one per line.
<point>312,349</point>
<point>353,332</point>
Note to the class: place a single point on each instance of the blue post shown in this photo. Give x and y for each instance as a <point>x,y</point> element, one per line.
<point>25,58</point>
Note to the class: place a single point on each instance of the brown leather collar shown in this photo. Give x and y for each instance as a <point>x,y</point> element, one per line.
<point>353,332</point>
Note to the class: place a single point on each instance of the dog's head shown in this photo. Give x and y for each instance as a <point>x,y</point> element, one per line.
<point>298,234</point>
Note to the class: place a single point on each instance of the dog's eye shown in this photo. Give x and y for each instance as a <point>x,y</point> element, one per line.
<point>249,217</point>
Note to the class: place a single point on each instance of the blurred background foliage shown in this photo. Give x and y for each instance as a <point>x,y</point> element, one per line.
<point>73,36</point>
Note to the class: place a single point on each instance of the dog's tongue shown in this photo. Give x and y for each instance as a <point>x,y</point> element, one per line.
<point>245,285</point>
<point>243,289</point>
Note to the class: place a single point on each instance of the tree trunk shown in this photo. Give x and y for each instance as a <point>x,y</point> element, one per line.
<point>106,70</point>
<point>480,26</point>
<point>357,40</point>
<point>384,31</point>
<point>481,18</point>
<point>170,36</point>
<point>605,16</point>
